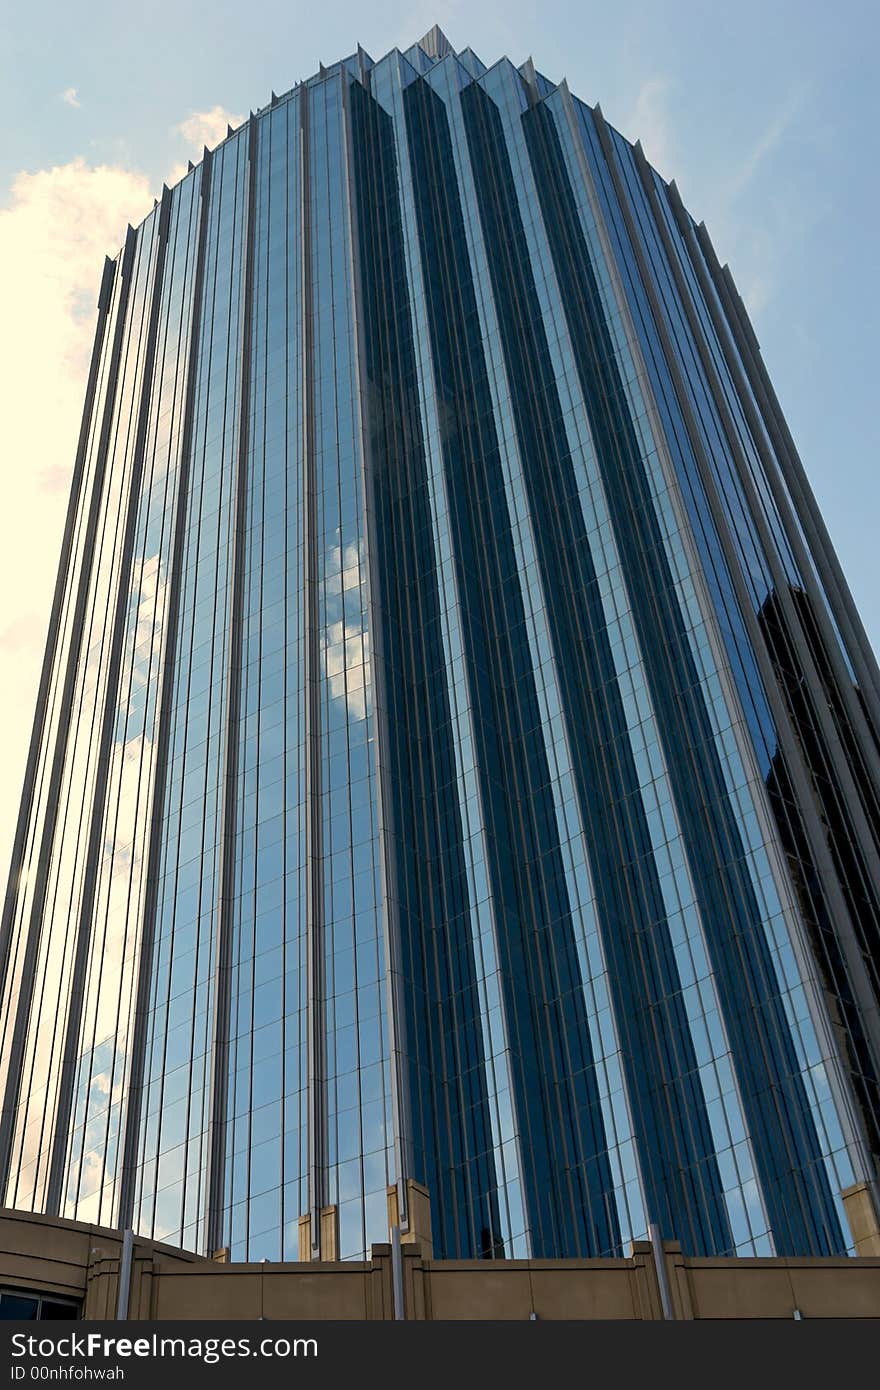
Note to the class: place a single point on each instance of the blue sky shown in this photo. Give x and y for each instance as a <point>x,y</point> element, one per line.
<point>765,113</point>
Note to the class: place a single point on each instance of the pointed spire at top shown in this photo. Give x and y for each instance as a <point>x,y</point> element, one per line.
<point>435,43</point>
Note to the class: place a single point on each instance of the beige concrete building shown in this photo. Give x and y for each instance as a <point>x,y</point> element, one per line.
<point>78,1265</point>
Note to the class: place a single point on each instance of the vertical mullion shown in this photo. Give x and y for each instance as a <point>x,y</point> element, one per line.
<point>219,1062</point>
<point>317,1034</point>
<point>34,931</point>
<point>166,714</point>
<point>108,721</point>
<point>52,639</point>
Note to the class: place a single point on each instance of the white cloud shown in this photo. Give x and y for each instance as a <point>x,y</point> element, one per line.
<point>757,293</point>
<point>764,146</point>
<point>346,645</point>
<point>346,659</point>
<point>54,232</point>
<point>758,246</point>
<point>650,122</point>
<point>754,245</point>
<point>55,229</point>
<point>207,127</point>
<point>201,128</point>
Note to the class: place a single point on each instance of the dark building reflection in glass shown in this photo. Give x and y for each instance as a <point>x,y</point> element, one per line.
<point>456,756</point>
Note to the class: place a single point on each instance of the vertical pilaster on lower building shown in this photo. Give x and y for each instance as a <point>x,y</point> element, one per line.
<point>305,1238</point>
<point>326,1245</point>
<point>329,1233</point>
<point>647,1302</point>
<point>677,1277</point>
<point>860,1205</point>
<point>418,1210</point>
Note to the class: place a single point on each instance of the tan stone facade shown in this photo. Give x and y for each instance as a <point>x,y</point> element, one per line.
<point>78,1261</point>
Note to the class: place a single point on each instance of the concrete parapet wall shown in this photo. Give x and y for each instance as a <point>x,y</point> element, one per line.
<point>79,1261</point>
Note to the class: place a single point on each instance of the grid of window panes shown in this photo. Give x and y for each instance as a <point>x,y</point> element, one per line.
<point>22,1305</point>
<point>459,754</point>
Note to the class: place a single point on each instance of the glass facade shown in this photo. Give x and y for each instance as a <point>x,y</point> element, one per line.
<point>457,756</point>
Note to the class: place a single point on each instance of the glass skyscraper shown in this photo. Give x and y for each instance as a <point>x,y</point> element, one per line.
<point>457,755</point>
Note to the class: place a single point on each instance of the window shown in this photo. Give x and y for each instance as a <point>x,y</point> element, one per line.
<point>22,1305</point>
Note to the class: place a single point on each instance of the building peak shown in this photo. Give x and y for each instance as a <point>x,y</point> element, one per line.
<point>435,43</point>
